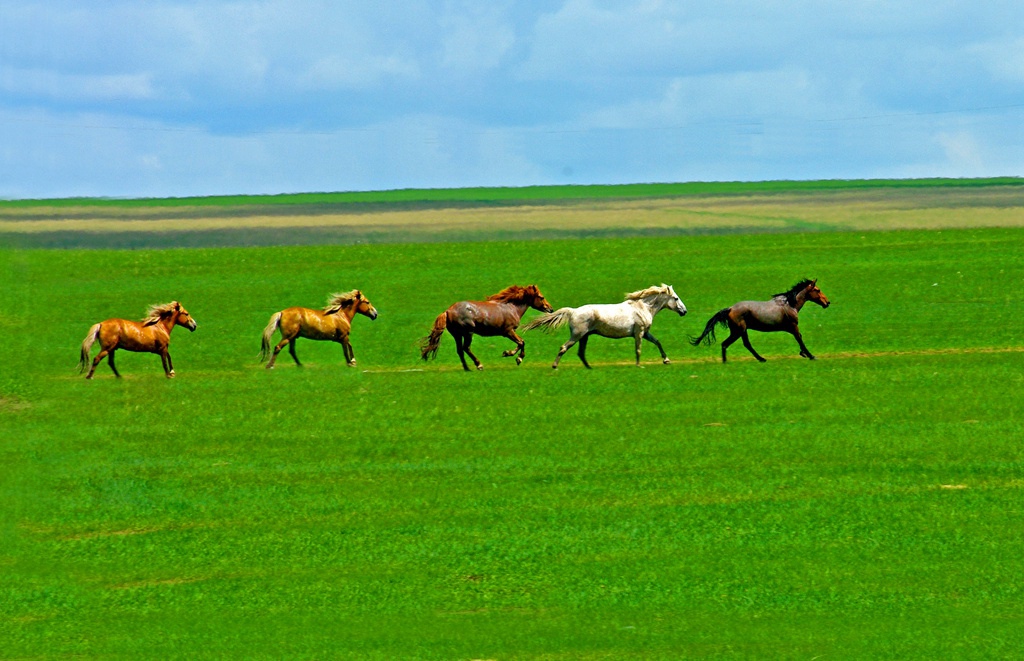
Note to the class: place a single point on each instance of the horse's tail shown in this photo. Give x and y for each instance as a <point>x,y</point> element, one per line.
<point>431,343</point>
<point>87,343</point>
<point>268,332</point>
<point>551,320</point>
<point>707,338</point>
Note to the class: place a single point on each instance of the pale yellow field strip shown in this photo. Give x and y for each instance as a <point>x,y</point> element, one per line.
<point>853,210</point>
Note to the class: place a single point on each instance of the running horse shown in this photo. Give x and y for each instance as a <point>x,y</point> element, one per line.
<point>152,335</point>
<point>631,318</point>
<point>332,324</point>
<point>499,315</point>
<point>778,314</point>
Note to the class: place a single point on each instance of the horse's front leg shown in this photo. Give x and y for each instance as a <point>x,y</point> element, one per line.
<point>638,337</point>
<point>520,351</point>
<point>165,358</point>
<point>804,351</point>
<point>350,355</point>
<point>650,338</point>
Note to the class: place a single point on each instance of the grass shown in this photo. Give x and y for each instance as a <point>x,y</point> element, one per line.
<point>483,215</point>
<point>864,505</point>
<point>530,194</point>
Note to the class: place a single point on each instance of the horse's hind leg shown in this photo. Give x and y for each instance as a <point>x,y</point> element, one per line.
<point>110,361</point>
<point>746,343</point>
<point>582,351</point>
<point>460,348</point>
<point>804,351</point>
<point>96,361</point>
<point>653,340</point>
<point>565,347</point>
<point>734,334</point>
<point>469,341</point>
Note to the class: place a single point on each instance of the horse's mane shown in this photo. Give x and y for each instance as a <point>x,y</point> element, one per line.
<point>645,293</point>
<point>157,312</point>
<point>790,295</point>
<point>513,294</point>
<point>336,302</point>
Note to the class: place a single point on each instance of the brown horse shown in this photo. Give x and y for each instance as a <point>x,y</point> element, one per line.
<point>498,315</point>
<point>333,324</point>
<point>778,314</point>
<point>152,334</point>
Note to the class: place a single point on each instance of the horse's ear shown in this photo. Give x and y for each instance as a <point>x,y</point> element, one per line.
<point>177,305</point>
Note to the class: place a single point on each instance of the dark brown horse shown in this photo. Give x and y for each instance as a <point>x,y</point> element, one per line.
<point>498,315</point>
<point>778,314</point>
<point>333,325</point>
<point>152,334</point>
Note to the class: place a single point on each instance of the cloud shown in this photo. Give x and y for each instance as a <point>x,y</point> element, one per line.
<point>48,84</point>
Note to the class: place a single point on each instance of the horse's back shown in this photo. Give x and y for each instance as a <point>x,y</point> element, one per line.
<point>481,317</point>
<point>607,319</point>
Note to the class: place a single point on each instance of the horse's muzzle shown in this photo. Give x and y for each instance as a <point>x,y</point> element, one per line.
<point>192,326</point>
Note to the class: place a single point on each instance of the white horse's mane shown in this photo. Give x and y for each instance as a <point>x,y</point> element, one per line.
<point>657,290</point>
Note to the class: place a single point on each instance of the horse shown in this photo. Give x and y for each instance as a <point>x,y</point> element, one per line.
<point>499,315</point>
<point>152,334</point>
<point>631,318</point>
<point>778,314</point>
<point>333,324</point>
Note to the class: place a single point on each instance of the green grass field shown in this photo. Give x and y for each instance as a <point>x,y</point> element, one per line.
<point>866,505</point>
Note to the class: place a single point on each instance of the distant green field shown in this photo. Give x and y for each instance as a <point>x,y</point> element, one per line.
<point>866,505</point>
<point>532,194</point>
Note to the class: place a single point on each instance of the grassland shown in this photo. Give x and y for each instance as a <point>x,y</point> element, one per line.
<point>864,505</point>
<point>509,214</point>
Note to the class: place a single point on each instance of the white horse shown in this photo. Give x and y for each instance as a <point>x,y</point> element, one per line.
<point>631,318</point>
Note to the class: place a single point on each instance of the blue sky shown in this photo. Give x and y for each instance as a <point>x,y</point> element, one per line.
<point>197,98</point>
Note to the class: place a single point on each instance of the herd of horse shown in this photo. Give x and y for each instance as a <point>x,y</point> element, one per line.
<point>496,316</point>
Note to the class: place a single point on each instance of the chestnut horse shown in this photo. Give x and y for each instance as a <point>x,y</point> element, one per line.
<point>152,334</point>
<point>498,315</point>
<point>333,324</point>
<point>778,314</point>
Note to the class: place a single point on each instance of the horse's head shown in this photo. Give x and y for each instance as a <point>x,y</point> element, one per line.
<point>183,318</point>
<point>674,302</point>
<point>364,306</point>
<point>536,299</point>
<point>814,294</point>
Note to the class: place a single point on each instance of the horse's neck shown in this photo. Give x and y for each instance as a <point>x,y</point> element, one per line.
<point>783,300</point>
<point>167,323</point>
<point>520,308</point>
<point>348,313</point>
<point>655,306</point>
<point>800,298</point>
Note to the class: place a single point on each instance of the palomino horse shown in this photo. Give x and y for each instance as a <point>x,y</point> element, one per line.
<point>631,318</point>
<point>498,315</point>
<point>778,314</point>
<point>152,334</point>
<point>333,324</point>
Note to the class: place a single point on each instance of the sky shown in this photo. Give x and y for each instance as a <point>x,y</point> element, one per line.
<point>138,99</point>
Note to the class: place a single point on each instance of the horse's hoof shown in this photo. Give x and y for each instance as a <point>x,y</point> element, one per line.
<point>667,361</point>
<point>762,360</point>
<point>89,378</point>
<point>351,363</point>
<point>519,360</point>
<point>479,367</point>
<point>554,367</point>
